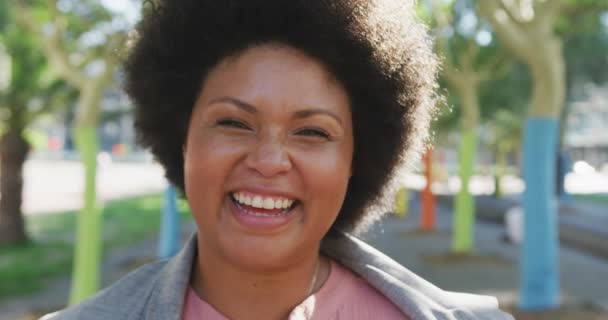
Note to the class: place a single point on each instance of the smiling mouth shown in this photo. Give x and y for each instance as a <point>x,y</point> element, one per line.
<point>259,206</point>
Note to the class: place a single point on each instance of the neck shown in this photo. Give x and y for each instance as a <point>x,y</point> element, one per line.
<point>238,293</point>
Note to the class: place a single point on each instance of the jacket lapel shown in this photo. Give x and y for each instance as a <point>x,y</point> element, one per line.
<point>413,295</point>
<point>167,298</point>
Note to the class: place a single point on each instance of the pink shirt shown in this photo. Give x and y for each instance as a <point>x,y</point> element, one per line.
<point>343,296</point>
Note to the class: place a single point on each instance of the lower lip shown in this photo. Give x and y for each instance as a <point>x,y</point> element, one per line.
<point>260,223</point>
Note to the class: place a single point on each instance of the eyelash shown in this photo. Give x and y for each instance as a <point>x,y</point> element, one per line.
<point>233,123</point>
<point>240,125</point>
<point>314,132</point>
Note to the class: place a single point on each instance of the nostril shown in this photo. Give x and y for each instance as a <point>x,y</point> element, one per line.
<point>269,160</point>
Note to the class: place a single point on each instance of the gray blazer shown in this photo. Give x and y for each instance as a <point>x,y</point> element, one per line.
<point>156,291</point>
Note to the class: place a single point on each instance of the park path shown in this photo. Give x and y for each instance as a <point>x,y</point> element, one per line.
<point>57,185</point>
<point>493,269</point>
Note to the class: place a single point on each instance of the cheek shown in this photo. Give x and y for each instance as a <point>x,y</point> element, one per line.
<point>207,163</point>
<point>326,176</point>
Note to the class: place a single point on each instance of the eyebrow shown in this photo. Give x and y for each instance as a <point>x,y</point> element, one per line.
<point>238,103</point>
<point>311,112</point>
<point>300,114</point>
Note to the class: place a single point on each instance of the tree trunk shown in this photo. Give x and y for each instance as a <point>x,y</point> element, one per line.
<point>427,221</point>
<point>88,243</point>
<point>169,240</point>
<point>13,153</point>
<point>464,220</point>
<point>549,79</point>
<point>540,272</point>
<point>539,252</point>
<point>499,170</point>
<point>537,44</point>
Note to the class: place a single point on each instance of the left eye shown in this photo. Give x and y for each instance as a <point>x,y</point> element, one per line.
<point>233,123</point>
<point>314,133</point>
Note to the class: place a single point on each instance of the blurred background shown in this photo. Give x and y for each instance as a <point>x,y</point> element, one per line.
<point>510,199</point>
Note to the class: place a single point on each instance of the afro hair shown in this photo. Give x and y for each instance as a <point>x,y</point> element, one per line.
<point>377,49</point>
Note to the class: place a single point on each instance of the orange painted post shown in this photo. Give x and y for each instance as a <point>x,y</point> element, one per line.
<point>427,221</point>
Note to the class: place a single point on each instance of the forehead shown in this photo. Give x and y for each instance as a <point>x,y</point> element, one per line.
<point>273,74</point>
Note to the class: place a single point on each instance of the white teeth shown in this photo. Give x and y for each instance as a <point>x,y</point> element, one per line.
<point>268,203</point>
<point>257,202</point>
<point>261,202</point>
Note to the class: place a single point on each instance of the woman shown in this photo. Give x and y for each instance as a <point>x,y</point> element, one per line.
<point>282,122</point>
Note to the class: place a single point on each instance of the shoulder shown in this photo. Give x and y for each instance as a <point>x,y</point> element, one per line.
<point>122,300</point>
<point>413,295</point>
<point>156,289</point>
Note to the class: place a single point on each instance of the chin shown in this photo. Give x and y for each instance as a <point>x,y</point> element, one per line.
<point>257,252</point>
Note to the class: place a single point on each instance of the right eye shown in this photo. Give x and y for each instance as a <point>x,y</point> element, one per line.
<point>232,123</point>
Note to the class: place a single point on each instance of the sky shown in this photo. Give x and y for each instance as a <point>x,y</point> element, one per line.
<point>129,8</point>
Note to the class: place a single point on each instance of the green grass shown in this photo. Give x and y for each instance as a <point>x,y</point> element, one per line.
<point>26,269</point>
<point>599,198</point>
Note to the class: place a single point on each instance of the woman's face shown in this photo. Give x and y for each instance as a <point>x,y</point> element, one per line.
<point>268,157</point>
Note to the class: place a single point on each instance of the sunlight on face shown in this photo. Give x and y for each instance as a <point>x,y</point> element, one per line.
<point>268,156</point>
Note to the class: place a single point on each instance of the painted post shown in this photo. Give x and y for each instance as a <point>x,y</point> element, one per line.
<point>170,225</point>
<point>539,254</point>
<point>428,198</point>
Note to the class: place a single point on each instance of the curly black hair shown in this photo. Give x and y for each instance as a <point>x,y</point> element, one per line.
<point>377,49</point>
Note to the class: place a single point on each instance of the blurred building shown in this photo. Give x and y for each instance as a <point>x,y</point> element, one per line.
<point>116,133</point>
<point>586,134</point>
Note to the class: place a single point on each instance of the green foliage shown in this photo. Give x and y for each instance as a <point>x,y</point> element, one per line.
<point>507,129</point>
<point>456,27</point>
<point>32,88</point>
<point>3,15</point>
<point>586,51</point>
<point>512,92</point>
<point>38,140</point>
<point>448,115</point>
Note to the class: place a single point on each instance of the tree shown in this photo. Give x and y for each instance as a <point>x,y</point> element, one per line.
<point>30,92</point>
<point>81,40</point>
<point>467,65</point>
<point>589,39</point>
<point>505,103</point>
<point>531,31</point>
<point>507,134</point>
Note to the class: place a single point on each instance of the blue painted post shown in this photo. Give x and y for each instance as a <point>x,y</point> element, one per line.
<point>539,255</point>
<point>169,226</point>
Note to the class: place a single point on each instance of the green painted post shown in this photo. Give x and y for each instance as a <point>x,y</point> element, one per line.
<point>464,220</point>
<point>85,278</point>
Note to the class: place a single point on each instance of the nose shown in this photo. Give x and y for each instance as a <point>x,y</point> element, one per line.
<point>269,157</point>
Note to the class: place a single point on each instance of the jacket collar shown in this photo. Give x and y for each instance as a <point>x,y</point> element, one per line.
<point>166,300</point>
<point>414,296</point>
